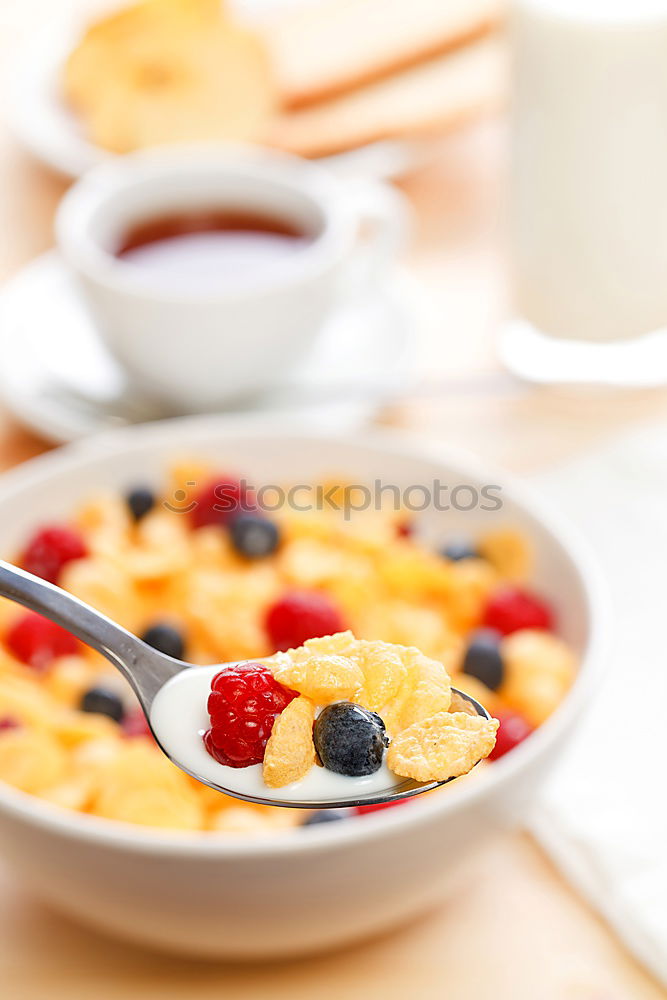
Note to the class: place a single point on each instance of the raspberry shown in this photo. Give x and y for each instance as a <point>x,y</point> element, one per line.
<point>220,500</point>
<point>513,730</point>
<point>243,704</point>
<point>511,609</point>
<point>301,615</point>
<point>50,549</point>
<point>38,642</point>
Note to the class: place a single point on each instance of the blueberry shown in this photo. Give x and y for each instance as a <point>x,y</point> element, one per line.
<point>349,739</point>
<point>103,702</point>
<point>140,501</point>
<point>254,536</point>
<point>166,639</point>
<point>326,816</point>
<point>482,658</point>
<point>459,549</point>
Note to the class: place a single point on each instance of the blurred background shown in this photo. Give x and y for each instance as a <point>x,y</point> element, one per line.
<point>525,323</point>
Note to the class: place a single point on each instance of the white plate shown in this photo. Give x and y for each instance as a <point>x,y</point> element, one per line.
<point>44,125</point>
<point>58,379</point>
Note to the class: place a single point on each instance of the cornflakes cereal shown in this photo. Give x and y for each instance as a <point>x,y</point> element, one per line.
<point>409,611</point>
<point>427,690</point>
<point>31,759</point>
<point>508,552</point>
<point>322,677</point>
<point>290,752</point>
<point>384,673</point>
<point>441,747</point>
<point>539,669</point>
<point>139,785</point>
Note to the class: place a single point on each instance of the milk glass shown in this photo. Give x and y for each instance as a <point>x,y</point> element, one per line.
<point>589,179</point>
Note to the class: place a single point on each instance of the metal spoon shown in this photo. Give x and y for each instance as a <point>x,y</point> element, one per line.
<point>148,671</point>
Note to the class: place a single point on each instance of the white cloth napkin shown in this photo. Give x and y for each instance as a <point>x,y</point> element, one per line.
<point>603,814</point>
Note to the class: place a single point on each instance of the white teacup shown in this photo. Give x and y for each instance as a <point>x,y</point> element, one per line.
<point>193,349</point>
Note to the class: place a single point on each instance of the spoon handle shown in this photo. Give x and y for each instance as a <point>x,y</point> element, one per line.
<point>145,668</point>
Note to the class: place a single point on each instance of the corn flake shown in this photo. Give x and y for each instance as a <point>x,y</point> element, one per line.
<point>290,752</point>
<point>444,746</point>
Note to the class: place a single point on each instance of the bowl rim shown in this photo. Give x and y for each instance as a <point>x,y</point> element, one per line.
<point>121,836</point>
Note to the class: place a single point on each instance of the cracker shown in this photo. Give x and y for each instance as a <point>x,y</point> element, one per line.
<point>436,96</point>
<point>339,45</point>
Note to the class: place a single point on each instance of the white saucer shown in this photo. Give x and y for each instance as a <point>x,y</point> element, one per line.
<point>44,125</point>
<point>58,379</point>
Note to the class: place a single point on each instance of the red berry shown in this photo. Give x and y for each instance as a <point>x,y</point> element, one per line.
<point>9,722</point>
<point>243,704</point>
<point>51,548</point>
<point>405,529</point>
<point>362,810</point>
<point>220,500</point>
<point>38,642</point>
<point>135,724</point>
<point>513,730</point>
<point>301,615</point>
<point>511,609</point>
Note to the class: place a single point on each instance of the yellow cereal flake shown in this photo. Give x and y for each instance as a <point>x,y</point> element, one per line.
<point>508,551</point>
<point>444,746</point>
<point>539,670</point>
<point>74,727</point>
<point>109,589</point>
<point>290,752</point>
<point>31,759</point>
<point>139,785</point>
<point>186,477</point>
<point>72,794</point>
<point>384,673</point>
<point>322,678</point>
<point>23,699</point>
<point>104,519</point>
<point>427,690</point>
<point>339,644</point>
<point>308,562</point>
<point>150,806</point>
<point>68,678</point>
<point>472,582</point>
<point>241,818</point>
<point>406,624</point>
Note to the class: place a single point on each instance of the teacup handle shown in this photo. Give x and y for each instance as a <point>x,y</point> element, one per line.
<point>384,221</point>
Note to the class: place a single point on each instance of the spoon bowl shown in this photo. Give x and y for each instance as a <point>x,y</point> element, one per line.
<point>158,682</point>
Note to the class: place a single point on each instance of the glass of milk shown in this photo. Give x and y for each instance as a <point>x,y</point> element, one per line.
<point>589,191</point>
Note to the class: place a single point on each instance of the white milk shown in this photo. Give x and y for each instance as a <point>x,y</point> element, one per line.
<point>179,720</point>
<point>589,201</point>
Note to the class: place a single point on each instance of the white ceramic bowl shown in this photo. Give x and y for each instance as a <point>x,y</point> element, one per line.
<point>317,887</point>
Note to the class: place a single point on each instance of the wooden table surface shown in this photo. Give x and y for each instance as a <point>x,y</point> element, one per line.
<point>518,932</point>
